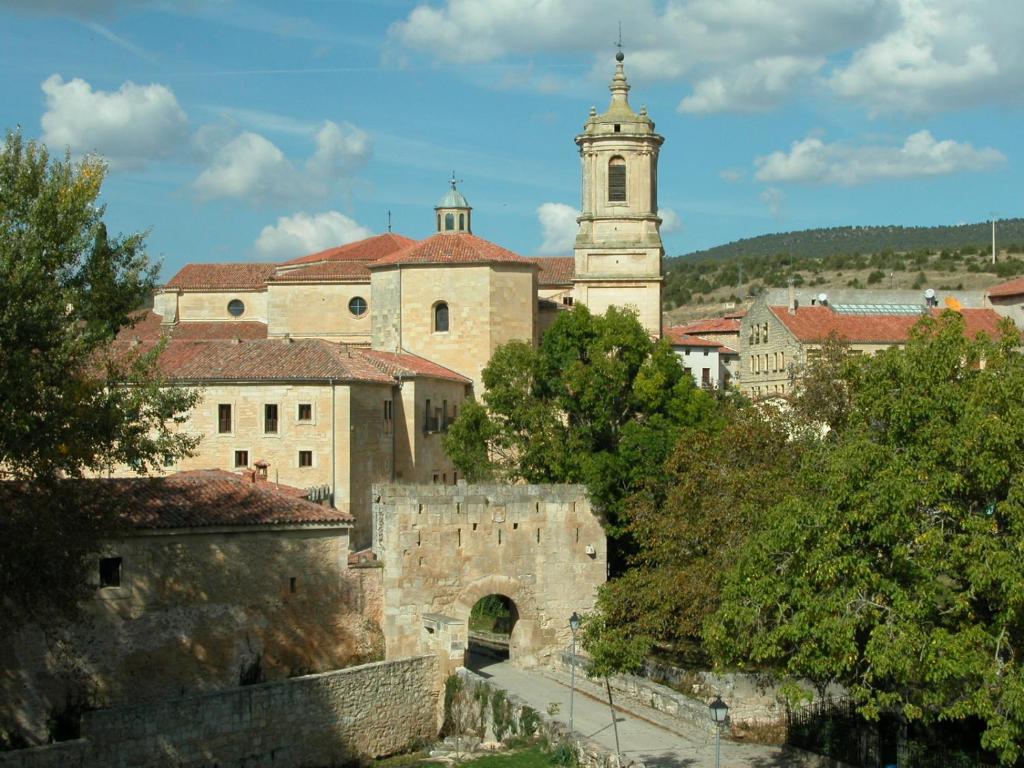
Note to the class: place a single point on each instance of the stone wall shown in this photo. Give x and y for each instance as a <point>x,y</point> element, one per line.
<point>318,310</point>
<point>373,710</point>
<point>196,610</point>
<point>445,547</point>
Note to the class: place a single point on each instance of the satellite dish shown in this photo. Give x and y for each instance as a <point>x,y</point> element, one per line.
<point>823,298</point>
<point>929,293</point>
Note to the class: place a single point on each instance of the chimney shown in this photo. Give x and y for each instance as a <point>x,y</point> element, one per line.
<point>792,298</point>
<point>262,465</point>
<point>287,338</point>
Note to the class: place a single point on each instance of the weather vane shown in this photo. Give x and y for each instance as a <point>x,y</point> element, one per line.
<point>454,181</point>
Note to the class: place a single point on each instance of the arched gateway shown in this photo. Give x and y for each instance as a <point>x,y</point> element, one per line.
<point>444,548</point>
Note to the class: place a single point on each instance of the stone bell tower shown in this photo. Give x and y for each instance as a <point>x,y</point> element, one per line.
<point>618,247</point>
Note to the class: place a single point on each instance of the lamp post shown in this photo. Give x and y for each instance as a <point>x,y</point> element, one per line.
<point>574,625</point>
<point>719,712</point>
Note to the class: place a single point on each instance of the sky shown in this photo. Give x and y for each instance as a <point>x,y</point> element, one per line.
<point>238,130</point>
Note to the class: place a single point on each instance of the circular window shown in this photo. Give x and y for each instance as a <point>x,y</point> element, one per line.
<point>236,308</point>
<point>357,306</point>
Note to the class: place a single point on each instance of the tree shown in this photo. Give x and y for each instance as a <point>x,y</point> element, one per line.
<point>597,403</point>
<point>612,651</point>
<point>898,571</point>
<point>71,405</point>
<point>689,521</point>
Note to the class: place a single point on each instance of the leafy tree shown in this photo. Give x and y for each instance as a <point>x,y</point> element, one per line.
<point>597,403</point>
<point>66,288</point>
<point>689,521</point>
<point>612,651</point>
<point>899,569</point>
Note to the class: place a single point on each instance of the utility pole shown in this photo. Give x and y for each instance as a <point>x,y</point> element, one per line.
<point>993,237</point>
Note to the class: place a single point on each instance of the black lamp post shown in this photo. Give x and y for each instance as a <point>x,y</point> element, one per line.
<point>719,713</point>
<point>574,625</point>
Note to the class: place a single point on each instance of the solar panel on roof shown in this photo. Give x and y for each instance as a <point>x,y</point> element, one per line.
<point>879,309</point>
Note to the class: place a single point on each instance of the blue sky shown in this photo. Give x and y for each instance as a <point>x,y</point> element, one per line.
<point>239,130</point>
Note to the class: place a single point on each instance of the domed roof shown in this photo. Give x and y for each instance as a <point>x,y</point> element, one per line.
<point>453,199</point>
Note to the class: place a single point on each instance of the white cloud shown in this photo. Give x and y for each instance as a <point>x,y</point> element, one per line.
<point>941,54</point>
<point>774,198</point>
<point>304,233</point>
<point>129,127</point>
<point>251,167</point>
<point>670,221</point>
<point>813,161</point>
<point>752,87</point>
<point>558,228</point>
<point>732,175</point>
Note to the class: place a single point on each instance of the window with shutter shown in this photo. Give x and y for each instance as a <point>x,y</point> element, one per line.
<point>616,180</point>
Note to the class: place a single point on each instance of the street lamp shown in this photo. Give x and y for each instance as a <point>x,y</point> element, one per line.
<point>719,713</point>
<point>574,625</point>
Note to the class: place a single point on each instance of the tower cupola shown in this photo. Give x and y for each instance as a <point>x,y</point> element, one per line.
<point>453,212</point>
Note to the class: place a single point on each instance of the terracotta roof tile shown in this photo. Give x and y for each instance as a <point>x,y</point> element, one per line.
<point>370,249</point>
<point>407,364</point>
<point>678,337</point>
<point>148,328</point>
<point>816,323</point>
<point>266,360</point>
<point>451,248</point>
<point>195,277</point>
<point>713,325</point>
<point>555,271</point>
<point>1013,287</point>
<point>330,271</point>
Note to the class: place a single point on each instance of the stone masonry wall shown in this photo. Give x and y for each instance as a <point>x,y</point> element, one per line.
<point>373,710</point>
<point>445,547</point>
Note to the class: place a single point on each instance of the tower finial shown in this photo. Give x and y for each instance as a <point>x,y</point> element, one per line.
<point>619,56</point>
<point>453,181</point>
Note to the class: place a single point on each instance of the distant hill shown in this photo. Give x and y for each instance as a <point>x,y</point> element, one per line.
<point>955,258</point>
<point>816,243</point>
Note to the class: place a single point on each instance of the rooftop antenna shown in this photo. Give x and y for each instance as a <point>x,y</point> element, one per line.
<point>389,221</point>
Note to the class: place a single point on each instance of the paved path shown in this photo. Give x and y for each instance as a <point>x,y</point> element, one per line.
<point>690,747</point>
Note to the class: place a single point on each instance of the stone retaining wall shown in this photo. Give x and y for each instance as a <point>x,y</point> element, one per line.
<point>374,709</point>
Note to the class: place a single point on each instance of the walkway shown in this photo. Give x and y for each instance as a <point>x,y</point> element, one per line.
<point>658,748</point>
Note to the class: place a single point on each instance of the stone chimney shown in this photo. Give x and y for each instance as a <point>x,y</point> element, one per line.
<point>792,298</point>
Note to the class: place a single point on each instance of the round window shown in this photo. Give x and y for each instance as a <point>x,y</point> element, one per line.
<point>236,308</point>
<point>357,306</point>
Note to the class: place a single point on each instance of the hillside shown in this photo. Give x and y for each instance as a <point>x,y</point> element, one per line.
<point>953,258</point>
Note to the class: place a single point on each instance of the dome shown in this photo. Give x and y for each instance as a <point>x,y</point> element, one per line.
<point>453,199</point>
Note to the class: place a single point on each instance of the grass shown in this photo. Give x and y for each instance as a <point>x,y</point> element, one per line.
<point>533,757</point>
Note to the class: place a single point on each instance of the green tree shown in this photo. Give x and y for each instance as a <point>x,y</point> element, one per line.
<point>597,403</point>
<point>612,651</point>
<point>689,521</point>
<point>66,288</point>
<point>899,570</point>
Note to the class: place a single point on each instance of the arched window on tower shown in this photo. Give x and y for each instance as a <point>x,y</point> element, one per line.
<point>439,222</point>
<point>441,317</point>
<point>462,222</point>
<point>616,180</point>
<point>449,222</point>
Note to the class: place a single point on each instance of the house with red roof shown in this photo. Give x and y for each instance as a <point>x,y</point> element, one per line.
<point>778,340</point>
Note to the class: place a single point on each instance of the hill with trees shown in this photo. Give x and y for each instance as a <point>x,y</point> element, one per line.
<point>947,257</point>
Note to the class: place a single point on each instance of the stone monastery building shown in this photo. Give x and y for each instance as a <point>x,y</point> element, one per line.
<point>342,368</point>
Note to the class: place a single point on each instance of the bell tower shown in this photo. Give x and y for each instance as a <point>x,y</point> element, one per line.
<point>453,212</point>
<point>618,247</point>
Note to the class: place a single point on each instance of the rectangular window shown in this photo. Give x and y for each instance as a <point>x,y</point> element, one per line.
<point>388,417</point>
<point>305,412</point>
<point>766,333</point>
<point>617,181</point>
<point>110,572</point>
<point>224,418</point>
<point>705,376</point>
<point>430,420</point>
<point>444,416</point>
<point>241,459</point>
<point>270,419</point>
<point>305,458</point>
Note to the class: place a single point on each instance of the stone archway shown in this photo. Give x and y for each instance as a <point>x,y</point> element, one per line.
<point>527,635</point>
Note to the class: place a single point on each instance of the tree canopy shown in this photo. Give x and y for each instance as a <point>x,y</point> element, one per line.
<point>69,405</point>
<point>898,569</point>
<point>598,403</point>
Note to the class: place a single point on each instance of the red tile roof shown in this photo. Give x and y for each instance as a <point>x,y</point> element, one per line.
<point>406,364</point>
<point>1013,287</point>
<point>267,360</point>
<point>555,271</point>
<point>679,338</point>
<point>200,499</point>
<point>326,272</point>
<point>452,248</point>
<point>221,277</point>
<point>816,323</point>
<point>148,328</point>
<point>370,249</point>
<point>713,325</point>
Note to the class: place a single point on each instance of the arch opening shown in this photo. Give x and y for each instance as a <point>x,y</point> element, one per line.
<point>491,623</point>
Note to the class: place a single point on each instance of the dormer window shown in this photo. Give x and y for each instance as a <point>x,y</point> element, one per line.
<point>616,180</point>
<point>441,317</point>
